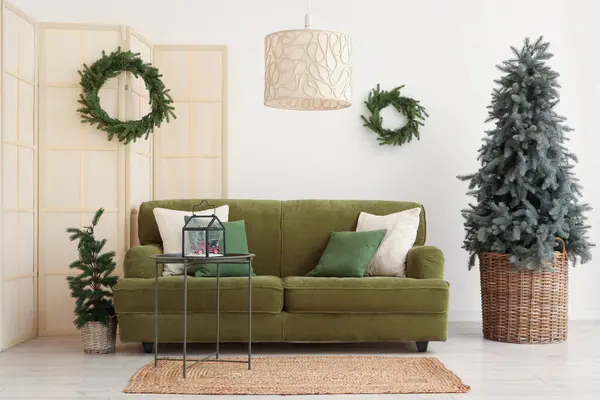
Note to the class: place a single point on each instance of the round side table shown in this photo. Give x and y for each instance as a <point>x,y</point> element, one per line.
<point>187,261</point>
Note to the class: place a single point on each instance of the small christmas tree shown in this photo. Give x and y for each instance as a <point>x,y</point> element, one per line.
<point>92,288</point>
<point>526,191</point>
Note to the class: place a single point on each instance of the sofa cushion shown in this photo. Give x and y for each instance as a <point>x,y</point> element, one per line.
<point>137,295</point>
<point>307,224</point>
<point>365,295</point>
<point>348,254</point>
<point>235,242</point>
<point>401,233</point>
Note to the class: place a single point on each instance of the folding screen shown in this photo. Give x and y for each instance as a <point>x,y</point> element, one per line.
<point>19,181</point>
<point>80,170</point>
<point>56,172</point>
<point>190,152</point>
<point>139,154</point>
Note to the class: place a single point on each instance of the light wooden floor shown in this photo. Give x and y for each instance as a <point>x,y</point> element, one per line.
<point>55,368</point>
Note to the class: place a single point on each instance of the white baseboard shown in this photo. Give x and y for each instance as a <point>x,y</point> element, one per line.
<point>585,315</point>
<point>464,315</point>
<point>475,315</point>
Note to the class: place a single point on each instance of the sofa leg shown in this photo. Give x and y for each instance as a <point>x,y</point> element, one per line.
<point>422,346</point>
<point>148,347</point>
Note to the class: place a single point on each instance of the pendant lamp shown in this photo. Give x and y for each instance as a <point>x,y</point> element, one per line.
<point>308,69</point>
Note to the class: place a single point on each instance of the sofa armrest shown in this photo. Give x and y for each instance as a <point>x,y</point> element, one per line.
<point>424,262</point>
<point>138,263</point>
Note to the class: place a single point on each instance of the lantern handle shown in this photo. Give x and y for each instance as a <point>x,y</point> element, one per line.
<point>200,205</point>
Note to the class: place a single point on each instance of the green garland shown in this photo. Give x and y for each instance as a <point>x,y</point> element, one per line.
<point>111,66</point>
<point>414,112</point>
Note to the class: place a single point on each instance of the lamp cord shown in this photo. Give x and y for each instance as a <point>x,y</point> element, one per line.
<point>308,16</point>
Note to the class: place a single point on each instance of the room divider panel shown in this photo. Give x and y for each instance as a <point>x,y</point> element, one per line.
<point>190,154</point>
<point>80,170</point>
<point>139,154</point>
<point>56,171</point>
<point>19,182</point>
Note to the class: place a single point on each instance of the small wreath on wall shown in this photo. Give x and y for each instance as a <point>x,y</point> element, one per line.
<point>413,111</point>
<point>111,66</point>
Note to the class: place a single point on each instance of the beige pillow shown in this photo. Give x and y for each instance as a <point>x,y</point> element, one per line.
<point>401,233</point>
<point>170,223</point>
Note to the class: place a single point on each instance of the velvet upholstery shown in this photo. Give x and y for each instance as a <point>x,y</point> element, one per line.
<point>423,262</point>
<point>262,219</point>
<point>365,295</point>
<point>287,327</point>
<point>137,295</point>
<point>138,263</point>
<point>307,224</point>
<point>301,327</point>
<point>139,327</point>
<point>288,238</point>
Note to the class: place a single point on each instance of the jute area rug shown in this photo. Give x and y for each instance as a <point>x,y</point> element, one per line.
<point>300,375</point>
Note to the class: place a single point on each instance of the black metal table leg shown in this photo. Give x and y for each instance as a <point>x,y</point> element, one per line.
<point>185,317</point>
<point>156,315</point>
<point>249,313</point>
<point>218,311</point>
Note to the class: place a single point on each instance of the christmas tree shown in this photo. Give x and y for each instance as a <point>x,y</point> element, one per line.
<point>92,287</point>
<point>526,191</point>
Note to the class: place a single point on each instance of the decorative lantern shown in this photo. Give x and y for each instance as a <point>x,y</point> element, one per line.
<point>203,235</point>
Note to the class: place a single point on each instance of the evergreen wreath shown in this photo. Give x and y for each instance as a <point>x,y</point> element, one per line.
<point>413,111</point>
<point>111,66</point>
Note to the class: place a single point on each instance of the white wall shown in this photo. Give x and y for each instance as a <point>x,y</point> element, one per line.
<point>444,51</point>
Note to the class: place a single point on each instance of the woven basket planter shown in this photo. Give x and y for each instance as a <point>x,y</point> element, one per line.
<point>99,339</point>
<point>524,306</point>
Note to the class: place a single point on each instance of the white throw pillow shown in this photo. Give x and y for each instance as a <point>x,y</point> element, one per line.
<point>401,233</point>
<point>170,223</point>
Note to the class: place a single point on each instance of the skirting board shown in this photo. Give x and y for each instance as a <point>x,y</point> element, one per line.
<point>475,315</point>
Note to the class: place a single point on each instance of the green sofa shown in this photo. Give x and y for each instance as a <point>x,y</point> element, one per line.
<point>288,238</point>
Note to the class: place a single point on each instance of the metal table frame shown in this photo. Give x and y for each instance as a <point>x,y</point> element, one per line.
<point>190,261</point>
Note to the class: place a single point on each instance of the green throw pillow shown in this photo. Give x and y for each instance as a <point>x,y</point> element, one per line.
<point>235,242</point>
<point>348,254</point>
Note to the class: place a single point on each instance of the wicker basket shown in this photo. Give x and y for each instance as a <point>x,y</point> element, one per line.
<point>524,306</point>
<point>99,339</point>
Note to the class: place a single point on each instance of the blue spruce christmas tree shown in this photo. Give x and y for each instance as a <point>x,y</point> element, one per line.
<point>526,191</point>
